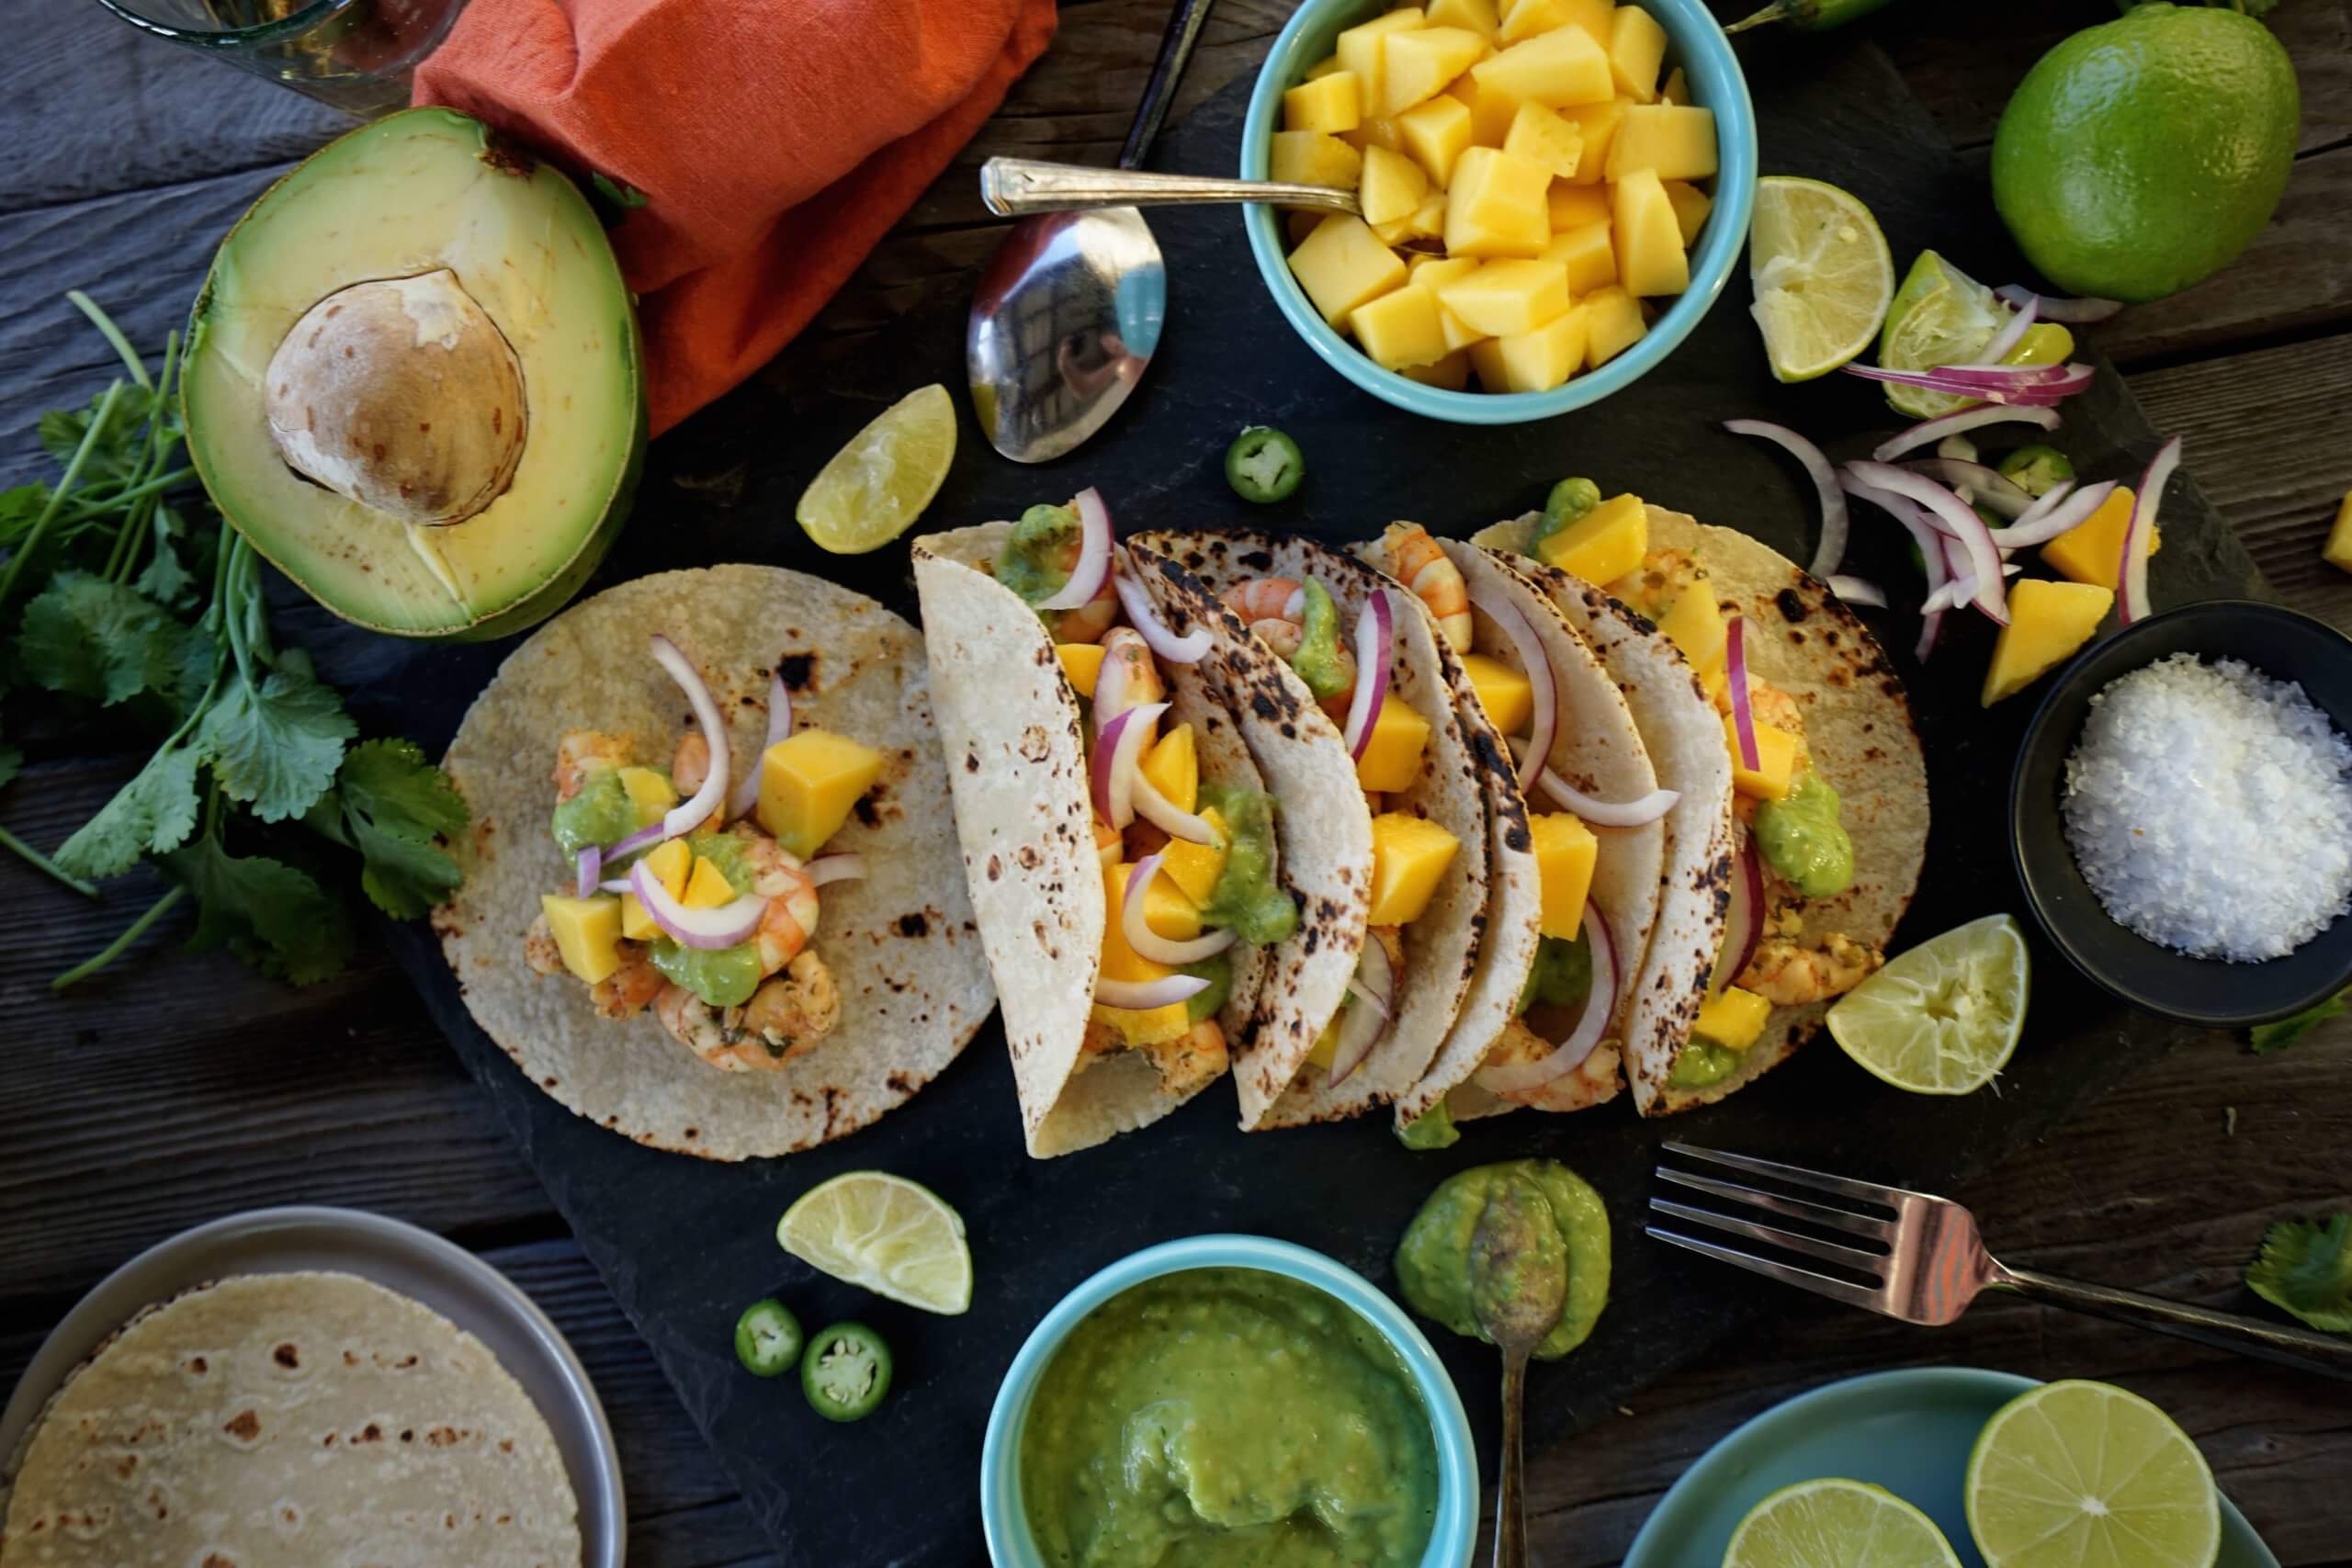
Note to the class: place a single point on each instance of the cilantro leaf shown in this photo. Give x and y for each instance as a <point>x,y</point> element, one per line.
<point>395,802</point>
<point>97,638</point>
<point>276,747</point>
<point>2268,1037</point>
<point>120,446</point>
<point>270,914</point>
<point>620,193</point>
<point>20,508</point>
<point>2306,1269</point>
<point>156,811</point>
<point>166,579</point>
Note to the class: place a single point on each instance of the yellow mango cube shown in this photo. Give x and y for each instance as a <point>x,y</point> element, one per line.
<point>1565,852</point>
<point>1596,17</point>
<point>1436,133</point>
<point>1588,252</point>
<point>1417,64</point>
<point>1410,854</point>
<point>1478,15</point>
<point>1328,103</point>
<point>1495,206</point>
<point>1597,123</point>
<point>1691,205</point>
<point>1329,66</point>
<point>1358,52</point>
<point>2092,551</point>
<point>1677,89</point>
<point>1168,912</point>
<point>1490,110</point>
<point>1081,665</point>
<point>1505,297</point>
<point>1174,767</point>
<point>1426,222</point>
<point>1776,751</point>
<point>1650,257</point>
<point>1533,361</point>
<point>2336,552</point>
<point>1670,141</point>
<point>636,924</point>
<point>1559,68</point>
<point>649,793</point>
<point>670,863</point>
<point>2048,621</point>
<point>809,781</point>
<point>1121,962</point>
<point>1392,752</point>
<point>1636,51</point>
<point>1194,868</point>
<point>1523,20</point>
<point>1732,1018</point>
<point>587,933</point>
<point>1695,622</point>
<point>1400,329</point>
<point>1538,134</point>
<point>1604,544</point>
<point>1612,325</point>
<point>707,886</point>
<point>1312,158</point>
<point>1393,184</point>
<point>1504,692</point>
<point>1452,373</point>
<point>1375,132</point>
<point>1343,264</point>
<point>1433,273</point>
<point>1573,206</point>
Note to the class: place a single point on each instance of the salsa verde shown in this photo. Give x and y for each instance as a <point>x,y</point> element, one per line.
<point>1702,1062</point>
<point>601,813</point>
<point>1803,840</point>
<point>1433,1259</point>
<point>726,976</point>
<point>1034,560</point>
<point>1247,900</point>
<point>1318,659</point>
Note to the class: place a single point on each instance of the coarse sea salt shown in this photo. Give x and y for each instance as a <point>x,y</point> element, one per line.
<point>2209,807</point>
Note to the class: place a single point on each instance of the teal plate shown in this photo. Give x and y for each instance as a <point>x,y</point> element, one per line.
<point>1907,1431</point>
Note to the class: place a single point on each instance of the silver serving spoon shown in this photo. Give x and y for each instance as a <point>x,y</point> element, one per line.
<point>1518,1282</point>
<point>1068,310</point>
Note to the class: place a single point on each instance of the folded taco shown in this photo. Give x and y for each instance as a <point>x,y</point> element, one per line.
<point>712,899</point>
<point>1785,879</point>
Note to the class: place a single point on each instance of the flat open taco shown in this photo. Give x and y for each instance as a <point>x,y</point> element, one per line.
<point>712,898</point>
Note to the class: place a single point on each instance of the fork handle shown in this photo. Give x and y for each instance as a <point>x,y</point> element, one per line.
<point>2327,1354</point>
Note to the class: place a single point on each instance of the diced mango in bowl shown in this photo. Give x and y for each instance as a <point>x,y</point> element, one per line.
<point>1526,178</point>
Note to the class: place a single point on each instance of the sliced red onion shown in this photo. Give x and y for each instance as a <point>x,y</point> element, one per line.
<point>1635,813</point>
<point>1150,944</point>
<point>1950,596</point>
<point>1542,685</point>
<point>1858,591</point>
<point>1743,717</point>
<point>614,884</point>
<point>1361,1026</point>
<point>2012,332</point>
<point>1958,420</point>
<point>590,865</point>
<point>645,838</point>
<point>1093,555</point>
<point>1189,648</point>
<point>1375,651</point>
<point>2061,509</point>
<point>729,925</point>
<point>2074,312</point>
<point>1117,746</point>
<point>1142,996</point>
<point>1957,518</point>
<point>834,868</point>
<point>747,790</point>
<point>2033,384</point>
<point>1960,448</point>
<point>1981,485</point>
<point>1165,814</point>
<point>1742,919</point>
<point>1923,534</point>
<point>1509,1079</point>
<point>2131,580</point>
<point>692,813</point>
<point>1833,523</point>
<point>1110,697</point>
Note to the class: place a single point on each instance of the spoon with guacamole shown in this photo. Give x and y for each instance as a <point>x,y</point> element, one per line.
<point>1519,1283</point>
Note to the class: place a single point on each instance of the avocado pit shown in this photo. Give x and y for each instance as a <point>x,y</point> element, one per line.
<point>401,394</point>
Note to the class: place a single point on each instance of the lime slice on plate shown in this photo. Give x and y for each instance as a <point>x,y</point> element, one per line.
<point>2084,1475</point>
<point>1941,316</point>
<point>1837,1524</point>
<point>1823,274</point>
<point>885,1234</point>
<point>881,481</point>
<point>1943,1018</point>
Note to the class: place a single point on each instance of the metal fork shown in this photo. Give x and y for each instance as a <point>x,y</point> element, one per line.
<point>1926,1261</point>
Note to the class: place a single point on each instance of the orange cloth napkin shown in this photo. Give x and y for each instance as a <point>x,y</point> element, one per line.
<point>777,140</point>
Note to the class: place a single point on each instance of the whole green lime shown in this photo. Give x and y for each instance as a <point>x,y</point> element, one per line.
<point>2141,155</point>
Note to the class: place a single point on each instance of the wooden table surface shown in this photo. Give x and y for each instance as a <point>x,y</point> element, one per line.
<point>184,1088</point>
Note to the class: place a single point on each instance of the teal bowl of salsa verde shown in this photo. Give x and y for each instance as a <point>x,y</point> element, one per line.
<point>1244,1401</point>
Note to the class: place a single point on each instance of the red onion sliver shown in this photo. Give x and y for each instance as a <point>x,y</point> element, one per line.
<point>729,925</point>
<point>614,884</point>
<point>1833,523</point>
<point>1994,381</point>
<point>2074,312</point>
<point>1363,994</point>
<point>1542,685</point>
<point>645,838</point>
<point>1375,653</point>
<point>1634,813</point>
<point>1932,552</point>
<point>1958,519</point>
<point>1166,814</point>
<point>690,814</point>
<point>1189,648</point>
<point>1118,746</point>
<point>747,789</point>
<point>588,866</point>
<point>2046,519</point>
<point>1743,920</point>
<point>1362,1027</point>
<point>1858,591</point>
<point>1952,423</point>
<point>2012,330</point>
<point>1742,717</point>
<point>1142,996</point>
<point>1512,1079</point>
<point>1984,486</point>
<point>1093,554</point>
<point>1150,944</point>
<point>2131,580</point>
<point>835,868</point>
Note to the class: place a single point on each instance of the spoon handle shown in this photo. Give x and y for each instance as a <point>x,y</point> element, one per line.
<point>1510,1500</point>
<point>1014,187</point>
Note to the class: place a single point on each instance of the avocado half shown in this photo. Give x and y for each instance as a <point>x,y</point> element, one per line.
<point>414,380</point>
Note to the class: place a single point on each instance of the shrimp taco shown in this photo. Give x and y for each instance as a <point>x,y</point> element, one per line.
<point>1415,772</point>
<point>1152,909</point>
<point>1789,863</point>
<point>712,898</point>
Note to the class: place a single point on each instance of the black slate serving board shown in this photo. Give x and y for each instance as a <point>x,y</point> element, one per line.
<point>684,1245</point>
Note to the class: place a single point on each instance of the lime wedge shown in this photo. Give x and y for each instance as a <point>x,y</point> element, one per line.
<point>1837,1524</point>
<point>1941,316</point>
<point>1943,1018</point>
<point>1823,274</point>
<point>881,481</point>
<point>2084,1476</point>
<point>885,1234</point>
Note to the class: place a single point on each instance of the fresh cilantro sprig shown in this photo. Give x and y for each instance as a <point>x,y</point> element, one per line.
<point>2267,1037</point>
<point>149,608</point>
<point>2306,1268</point>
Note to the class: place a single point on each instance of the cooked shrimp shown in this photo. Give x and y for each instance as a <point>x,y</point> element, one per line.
<point>582,754</point>
<point>1267,599</point>
<point>691,1022</point>
<point>1789,975</point>
<point>690,764</point>
<point>1415,560</point>
<point>1190,1061</point>
<point>790,919</point>
<point>1663,577</point>
<point>1594,1081</point>
<point>1091,619</point>
<point>624,993</point>
<point>539,950</point>
<point>788,1015</point>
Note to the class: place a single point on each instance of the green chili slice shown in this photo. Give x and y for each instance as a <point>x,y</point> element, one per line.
<point>767,1338</point>
<point>845,1373</point>
<point>1263,465</point>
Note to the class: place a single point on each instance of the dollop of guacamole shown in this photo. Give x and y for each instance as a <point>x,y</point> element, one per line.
<point>1247,900</point>
<point>1034,562</point>
<point>1434,1258</point>
<point>1803,840</point>
<point>1569,499</point>
<point>1318,660</point>
<point>726,976</point>
<point>1432,1129</point>
<point>1218,972</point>
<point>602,813</point>
<point>1562,975</point>
<point>1700,1063</point>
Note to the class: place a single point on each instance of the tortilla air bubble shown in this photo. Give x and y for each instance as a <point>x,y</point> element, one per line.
<point>2208,807</point>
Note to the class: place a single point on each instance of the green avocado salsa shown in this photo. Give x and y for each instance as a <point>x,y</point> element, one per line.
<point>1032,563</point>
<point>1803,840</point>
<point>1561,976</point>
<point>1246,900</point>
<point>1318,659</point>
<point>1227,1418</point>
<point>602,813</point>
<point>1433,1260</point>
<point>1432,1129</point>
<point>726,976</point>
<point>1702,1062</point>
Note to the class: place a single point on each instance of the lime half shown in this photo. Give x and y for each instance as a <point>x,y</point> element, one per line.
<point>881,481</point>
<point>1837,1524</point>
<point>2084,1476</point>
<point>1943,1018</point>
<point>1941,316</point>
<point>1823,274</point>
<point>895,1237</point>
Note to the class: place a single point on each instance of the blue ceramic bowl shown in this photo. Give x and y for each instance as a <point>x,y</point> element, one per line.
<point>1455,1532</point>
<point>1695,41</point>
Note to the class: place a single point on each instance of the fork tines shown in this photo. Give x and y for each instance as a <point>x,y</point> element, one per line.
<point>1868,1263</point>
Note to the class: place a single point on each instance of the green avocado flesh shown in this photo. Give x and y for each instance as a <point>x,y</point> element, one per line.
<point>409,195</point>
